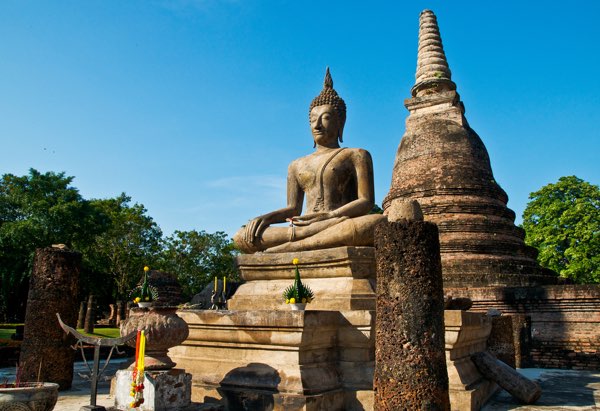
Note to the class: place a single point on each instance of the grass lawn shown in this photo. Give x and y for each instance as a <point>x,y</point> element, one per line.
<point>103,332</point>
<point>5,333</point>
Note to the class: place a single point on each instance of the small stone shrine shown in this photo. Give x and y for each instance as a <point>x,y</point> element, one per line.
<point>443,164</point>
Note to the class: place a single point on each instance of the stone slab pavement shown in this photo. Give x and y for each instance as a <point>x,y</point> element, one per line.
<point>562,390</point>
<point>79,393</point>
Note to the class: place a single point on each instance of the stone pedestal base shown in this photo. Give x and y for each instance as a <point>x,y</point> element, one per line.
<point>312,360</point>
<point>280,360</point>
<point>466,334</point>
<point>163,390</point>
<point>342,278</point>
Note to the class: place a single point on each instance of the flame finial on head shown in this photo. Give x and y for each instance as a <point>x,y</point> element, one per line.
<point>328,81</point>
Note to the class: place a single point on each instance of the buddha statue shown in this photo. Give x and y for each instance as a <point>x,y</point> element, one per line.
<point>337,183</point>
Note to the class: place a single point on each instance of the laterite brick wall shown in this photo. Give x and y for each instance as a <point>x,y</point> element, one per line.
<point>565,320</point>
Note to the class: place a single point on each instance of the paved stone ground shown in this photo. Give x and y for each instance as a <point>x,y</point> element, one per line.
<point>562,390</point>
<point>79,394</point>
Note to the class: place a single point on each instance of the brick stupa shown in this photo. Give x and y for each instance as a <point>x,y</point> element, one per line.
<point>443,164</point>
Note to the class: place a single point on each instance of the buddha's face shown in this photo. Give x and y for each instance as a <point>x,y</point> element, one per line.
<point>325,125</point>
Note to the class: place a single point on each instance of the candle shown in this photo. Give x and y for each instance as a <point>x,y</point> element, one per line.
<point>215,289</point>
<point>224,284</point>
<point>141,364</point>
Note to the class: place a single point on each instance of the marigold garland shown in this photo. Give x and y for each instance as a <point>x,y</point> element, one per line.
<point>137,385</point>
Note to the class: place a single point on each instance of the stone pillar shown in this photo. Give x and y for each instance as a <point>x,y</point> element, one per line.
<point>120,313</point>
<point>81,316</point>
<point>508,378</point>
<point>128,308</point>
<point>52,289</point>
<point>112,317</point>
<point>410,362</point>
<point>88,326</point>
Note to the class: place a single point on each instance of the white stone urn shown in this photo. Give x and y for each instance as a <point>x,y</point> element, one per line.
<point>163,328</point>
<point>29,397</point>
<point>298,307</point>
<point>145,304</point>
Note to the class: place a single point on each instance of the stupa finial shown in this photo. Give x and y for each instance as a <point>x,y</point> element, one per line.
<point>433,73</point>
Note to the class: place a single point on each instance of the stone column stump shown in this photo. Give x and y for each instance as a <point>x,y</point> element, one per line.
<point>52,289</point>
<point>410,362</point>
<point>120,313</point>
<point>88,325</point>
<point>81,316</point>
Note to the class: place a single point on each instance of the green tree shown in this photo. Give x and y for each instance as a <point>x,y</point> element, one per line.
<point>195,257</point>
<point>131,240</point>
<point>562,221</point>
<point>37,210</point>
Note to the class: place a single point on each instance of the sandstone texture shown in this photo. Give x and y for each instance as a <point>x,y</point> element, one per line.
<point>410,371</point>
<point>466,334</point>
<point>52,289</point>
<point>342,278</point>
<point>280,360</point>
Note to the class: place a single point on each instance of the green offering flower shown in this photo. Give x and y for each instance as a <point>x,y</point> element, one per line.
<point>144,292</point>
<point>298,293</point>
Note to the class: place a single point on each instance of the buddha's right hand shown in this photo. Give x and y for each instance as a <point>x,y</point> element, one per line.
<point>254,228</point>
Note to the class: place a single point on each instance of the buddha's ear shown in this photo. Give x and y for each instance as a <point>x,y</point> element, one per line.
<point>341,134</point>
<point>314,143</point>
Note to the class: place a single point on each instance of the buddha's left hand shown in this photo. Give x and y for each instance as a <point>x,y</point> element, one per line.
<point>311,218</point>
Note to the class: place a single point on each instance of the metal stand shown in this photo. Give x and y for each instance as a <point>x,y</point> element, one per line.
<point>95,371</point>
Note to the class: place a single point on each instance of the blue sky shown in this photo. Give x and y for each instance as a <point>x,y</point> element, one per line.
<point>195,108</point>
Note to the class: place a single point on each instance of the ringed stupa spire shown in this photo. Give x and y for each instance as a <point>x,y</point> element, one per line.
<point>433,72</point>
<point>443,164</point>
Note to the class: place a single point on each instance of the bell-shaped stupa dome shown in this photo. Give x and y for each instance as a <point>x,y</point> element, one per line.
<point>443,164</point>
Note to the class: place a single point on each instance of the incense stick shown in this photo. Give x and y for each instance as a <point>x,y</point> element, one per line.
<point>39,372</point>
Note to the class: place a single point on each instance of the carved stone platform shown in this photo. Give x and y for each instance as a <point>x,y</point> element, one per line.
<point>280,360</point>
<point>312,360</point>
<point>466,334</point>
<point>342,278</point>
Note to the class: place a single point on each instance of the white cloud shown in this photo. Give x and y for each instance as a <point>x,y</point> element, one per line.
<point>265,184</point>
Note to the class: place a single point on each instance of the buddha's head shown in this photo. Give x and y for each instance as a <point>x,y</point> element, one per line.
<point>327,113</point>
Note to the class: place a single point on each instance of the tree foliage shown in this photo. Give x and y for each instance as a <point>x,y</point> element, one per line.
<point>37,210</point>
<point>117,239</point>
<point>195,257</point>
<point>562,221</point>
<point>130,240</point>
